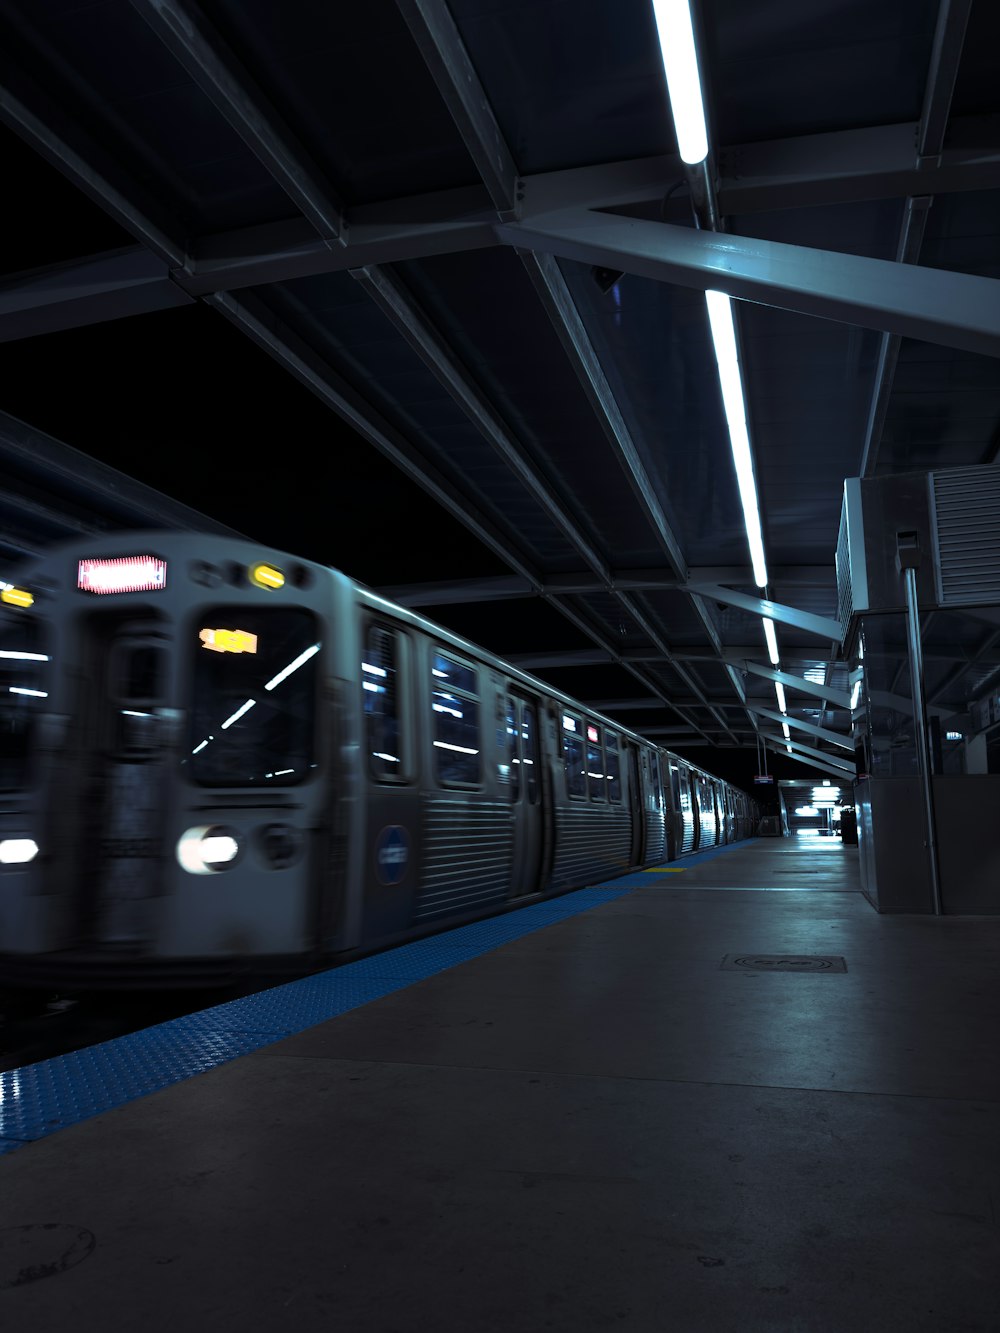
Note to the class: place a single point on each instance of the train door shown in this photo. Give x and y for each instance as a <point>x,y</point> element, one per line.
<point>525,791</point>
<point>120,812</point>
<point>389,771</point>
<point>696,799</point>
<point>637,803</point>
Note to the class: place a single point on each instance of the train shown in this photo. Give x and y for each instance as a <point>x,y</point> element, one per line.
<point>222,760</point>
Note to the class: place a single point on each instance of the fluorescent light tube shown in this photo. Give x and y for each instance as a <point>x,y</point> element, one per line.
<point>779,690</point>
<point>680,64</point>
<point>772,640</point>
<point>720,316</point>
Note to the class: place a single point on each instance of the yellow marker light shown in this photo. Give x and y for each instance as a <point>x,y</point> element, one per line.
<point>228,640</point>
<point>16,596</point>
<point>266,576</point>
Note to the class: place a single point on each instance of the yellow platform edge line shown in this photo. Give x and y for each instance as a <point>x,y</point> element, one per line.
<point>666,870</point>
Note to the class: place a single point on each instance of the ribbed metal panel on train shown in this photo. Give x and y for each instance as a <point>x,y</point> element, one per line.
<point>656,836</point>
<point>467,856</point>
<point>588,846</point>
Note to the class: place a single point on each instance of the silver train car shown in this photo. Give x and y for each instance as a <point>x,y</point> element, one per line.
<point>220,760</point>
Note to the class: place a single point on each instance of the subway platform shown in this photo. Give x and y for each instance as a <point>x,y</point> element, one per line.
<point>724,1096</point>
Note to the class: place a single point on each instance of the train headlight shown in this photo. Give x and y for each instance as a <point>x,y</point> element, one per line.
<point>17,851</point>
<point>207,849</point>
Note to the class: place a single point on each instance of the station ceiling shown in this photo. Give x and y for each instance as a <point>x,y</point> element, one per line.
<point>416,289</point>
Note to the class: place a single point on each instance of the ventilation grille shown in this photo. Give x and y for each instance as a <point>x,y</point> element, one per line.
<point>967,514</point>
<point>845,599</point>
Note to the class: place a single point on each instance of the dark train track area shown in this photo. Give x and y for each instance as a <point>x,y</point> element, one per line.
<point>39,1025</point>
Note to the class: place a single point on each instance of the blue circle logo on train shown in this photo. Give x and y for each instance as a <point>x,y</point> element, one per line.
<point>392,853</point>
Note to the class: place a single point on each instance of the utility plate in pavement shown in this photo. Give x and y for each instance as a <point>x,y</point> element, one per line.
<point>784,962</point>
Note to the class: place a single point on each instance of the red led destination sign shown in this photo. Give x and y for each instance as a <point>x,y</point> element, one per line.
<point>127,573</point>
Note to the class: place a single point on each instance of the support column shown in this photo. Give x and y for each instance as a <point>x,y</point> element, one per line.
<point>907,562</point>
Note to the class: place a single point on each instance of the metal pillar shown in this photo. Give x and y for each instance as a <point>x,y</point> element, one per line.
<point>908,561</point>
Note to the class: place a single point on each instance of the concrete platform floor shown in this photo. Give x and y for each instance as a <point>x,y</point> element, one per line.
<point>595,1127</point>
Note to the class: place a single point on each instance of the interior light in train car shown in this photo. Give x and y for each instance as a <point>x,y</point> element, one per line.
<point>126,573</point>
<point>569,723</point>
<point>228,640</point>
<point>23,657</point>
<point>16,596</point>
<point>285,672</point>
<point>592,734</point>
<point>266,576</point>
<point>17,851</point>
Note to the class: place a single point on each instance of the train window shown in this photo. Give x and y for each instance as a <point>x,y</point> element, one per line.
<point>454,675</point>
<point>576,777</point>
<point>529,752</point>
<point>142,670</point>
<point>253,712</point>
<point>380,697</point>
<point>24,688</point>
<point>595,763</point>
<point>455,706</point>
<point>513,758</point>
<point>654,761</point>
<point>612,766</point>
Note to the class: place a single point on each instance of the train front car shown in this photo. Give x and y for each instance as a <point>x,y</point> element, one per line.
<point>167,812</point>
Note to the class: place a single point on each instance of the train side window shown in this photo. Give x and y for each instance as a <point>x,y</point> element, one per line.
<point>612,767</point>
<point>576,778</point>
<point>654,760</point>
<point>529,752</point>
<point>455,706</point>
<point>380,690</point>
<point>513,758</point>
<point>675,787</point>
<point>24,687</point>
<point>595,765</point>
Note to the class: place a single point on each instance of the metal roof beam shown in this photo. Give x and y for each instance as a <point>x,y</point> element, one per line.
<point>803,171</point>
<point>405,315</point>
<point>444,53</point>
<point>448,61</point>
<point>935,305</point>
<point>26,448</point>
<point>281,342</point>
<point>827,692</point>
<point>501,588</point>
<point>823,626</point>
<point>202,51</point>
<point>949,36</point>
<point>27,109</point>
<point>87,291</point>
<point>588,629</point>
<point>825,766</point>
<point>834,761</point>
<point>559,305</point>
<point>946,55</point>
<point>837,738</point>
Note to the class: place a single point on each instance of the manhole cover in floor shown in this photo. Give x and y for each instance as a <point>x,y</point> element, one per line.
<point>783,962</point>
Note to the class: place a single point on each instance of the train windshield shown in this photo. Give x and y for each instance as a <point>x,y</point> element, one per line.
<point>24,691</point>
<point>253,706</point>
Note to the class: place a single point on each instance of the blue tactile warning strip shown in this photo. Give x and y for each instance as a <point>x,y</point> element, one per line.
<point>42,1098</point>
